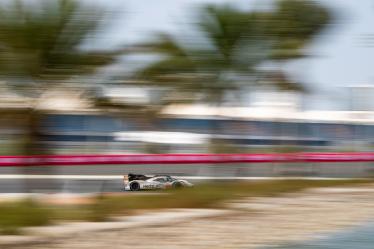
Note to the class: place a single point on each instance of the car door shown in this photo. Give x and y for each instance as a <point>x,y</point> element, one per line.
<point>156,183</point>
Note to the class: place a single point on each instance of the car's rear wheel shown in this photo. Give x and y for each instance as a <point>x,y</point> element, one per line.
<point>135,186</point>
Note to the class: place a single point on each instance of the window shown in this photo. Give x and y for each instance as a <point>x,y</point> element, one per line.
<point>169,179</point>
<point>160,179</point>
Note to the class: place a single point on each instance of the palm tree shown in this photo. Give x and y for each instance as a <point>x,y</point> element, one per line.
<point>41,48</point>
<point>42,42</point>
<point>229,47</point>
<point>232,43</point>
<point>292,26</point>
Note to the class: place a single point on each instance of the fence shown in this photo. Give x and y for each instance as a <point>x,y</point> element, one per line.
<point>71,160</point>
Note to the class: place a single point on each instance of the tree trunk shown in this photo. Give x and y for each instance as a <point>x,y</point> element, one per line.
<point>34,146</point>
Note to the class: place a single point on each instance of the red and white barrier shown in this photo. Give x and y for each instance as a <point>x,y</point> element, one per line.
<point>70,160</point>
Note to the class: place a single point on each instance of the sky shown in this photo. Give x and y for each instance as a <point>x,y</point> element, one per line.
<point>341,57</point>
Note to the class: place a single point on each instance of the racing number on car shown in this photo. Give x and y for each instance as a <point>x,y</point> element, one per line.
<point>150,186</point>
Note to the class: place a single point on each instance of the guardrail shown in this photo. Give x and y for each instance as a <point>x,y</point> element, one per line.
<point>71,160</point>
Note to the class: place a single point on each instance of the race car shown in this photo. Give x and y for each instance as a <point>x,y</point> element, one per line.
<point>134,182</point>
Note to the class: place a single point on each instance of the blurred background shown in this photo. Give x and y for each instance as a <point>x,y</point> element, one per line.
<point>118,77</point>
<point>86,80</point>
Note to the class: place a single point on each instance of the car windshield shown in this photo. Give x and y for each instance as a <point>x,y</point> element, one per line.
<point>164,179</point>
<point>160,179</point>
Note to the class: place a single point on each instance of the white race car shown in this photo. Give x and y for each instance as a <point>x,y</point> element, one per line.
<point>141,182</point>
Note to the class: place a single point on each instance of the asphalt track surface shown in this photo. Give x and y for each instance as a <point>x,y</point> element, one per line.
<point>310,170</point>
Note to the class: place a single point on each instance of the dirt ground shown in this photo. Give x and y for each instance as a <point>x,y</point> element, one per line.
<point>252,223</point>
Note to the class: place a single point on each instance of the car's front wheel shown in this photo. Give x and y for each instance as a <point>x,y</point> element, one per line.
<point>135,186</point>
<point>177,185</point>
